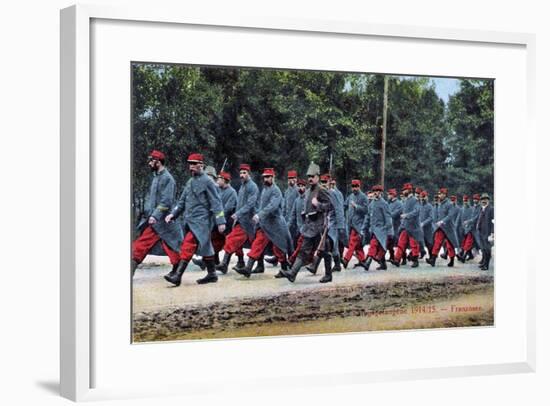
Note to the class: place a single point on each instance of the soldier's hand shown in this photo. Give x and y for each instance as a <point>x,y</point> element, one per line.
<point>353,204</point>
<point>403,216</point>
<point>221,228</point>
<point>234,216</point>
<point>169,218</point>
<point>439,223</point>
<point>315,202</point>
<point>152,220</point>
<point>256,218</point>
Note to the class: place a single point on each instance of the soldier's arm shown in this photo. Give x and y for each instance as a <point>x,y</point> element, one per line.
<point>167,190</point>
<point>414,212</point>
<point>428,219</point>
<point>216,206</point>
<point>230,205</point>
<point>388,222</point>
<point>324,201</point>
<point>250,204</point>
<point>396,211</point>
<point>361,205</point>
<point>293,219</point>
<point>273,205</point>
<point>491,221</point>
<point>448,219</point>
<point>180,205</point>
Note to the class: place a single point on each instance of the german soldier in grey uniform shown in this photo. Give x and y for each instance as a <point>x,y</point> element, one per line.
<point>485,228</point>
<point>315,229</point>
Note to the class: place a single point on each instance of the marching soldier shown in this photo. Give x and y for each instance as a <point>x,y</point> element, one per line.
<point>410,232</point>
<point>396,209</point>
<point>297,221</point>
<point>485,228</point>
<point>465,214</point>
<point>244,225</point>
<point>272,227</point>
<point>335,223</point>
<point>357,208</point>
<point>202,208</point>
<point>380,225</point>
<point>444,230</point>
<point>471,237</point>
<point>159,203</point>
<point>342,232</point>
<point>228,196</point>
<point>315,228</point>
<point>291,193</point>
<point>426,222</point>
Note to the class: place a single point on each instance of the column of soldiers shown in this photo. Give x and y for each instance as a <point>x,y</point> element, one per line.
<point>311,222</point>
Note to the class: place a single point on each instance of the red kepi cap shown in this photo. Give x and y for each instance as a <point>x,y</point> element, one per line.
<point>195,158</point>
<point>157,155</point>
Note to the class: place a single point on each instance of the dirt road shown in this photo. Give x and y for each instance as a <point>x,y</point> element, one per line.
<point>398,298</point>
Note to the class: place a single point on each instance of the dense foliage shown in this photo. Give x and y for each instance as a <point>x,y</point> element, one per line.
<point>284,119</point>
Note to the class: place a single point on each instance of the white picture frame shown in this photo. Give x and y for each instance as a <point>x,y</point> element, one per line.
<point>77,354</point>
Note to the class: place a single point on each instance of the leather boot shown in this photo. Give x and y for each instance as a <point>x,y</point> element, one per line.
<point>284,267</point>
<point>431,260</point>
<point>422,253</point>
<point>337,265</point>
<point>469,255</point>
<point>314,265</point>
<point>328,270</point>
<point>344,262</point>
<point>133,266</point>
<point>395,262</point>
<point>271,260</point>
<point>174,267</point>
<point>247,271</point>
<point>175,278</point>
<point>414,262</point>
<point>382,266</point>
<point>211,275</point>
<point>444,255</point>
<point>451,262</point>
<point>216,258</point>
<point>240,263</point>
<point>482,262</point>
<point>200,263</point>
<point>292,272</point>
<point>259,266</point>
<point>485,266</point>
<point>460,256</point>
<point>366,263</point>
<point>224,264</point>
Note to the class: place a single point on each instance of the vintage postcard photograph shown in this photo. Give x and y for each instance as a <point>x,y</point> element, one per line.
<point>270,202</point>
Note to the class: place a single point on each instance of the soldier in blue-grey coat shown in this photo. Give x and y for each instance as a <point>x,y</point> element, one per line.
<point>228,196</point>
<point>445,231</point>
<point>201,207</point>
<point>153,229</point>
<point>356,206</point>
<point>291,193</point>
<point>379,224</point>
<point>471,236</point>
<point>426,221</point>
<point>271,226</point>
<point>410,232</point>
<point>455,215</point>
<point>396,209</point>
<point>343,240</point>
<point>244,227</point>
<point>465,214</point>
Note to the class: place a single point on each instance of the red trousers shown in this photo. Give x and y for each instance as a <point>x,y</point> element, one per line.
<point>405,239</point>
<point>439,238</point>
<point>260,243</point>
<point>146,241</point>
<point>376,251</point>
<point>468,242</point>
<point>189,247</point>
<point>235,241</point>
<point>294,255</point>
<point>355,246</point>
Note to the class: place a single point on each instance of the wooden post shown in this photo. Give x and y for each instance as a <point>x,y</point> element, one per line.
<point>384,125</point>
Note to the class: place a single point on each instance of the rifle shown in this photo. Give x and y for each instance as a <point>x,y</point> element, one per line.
<point>321,247</point>
<point>223,166</point>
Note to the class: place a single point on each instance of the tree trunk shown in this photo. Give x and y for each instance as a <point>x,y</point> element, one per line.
<point>384,125</point>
